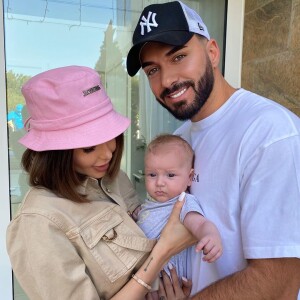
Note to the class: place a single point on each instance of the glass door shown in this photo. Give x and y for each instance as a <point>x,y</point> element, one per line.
<point>44,34</point>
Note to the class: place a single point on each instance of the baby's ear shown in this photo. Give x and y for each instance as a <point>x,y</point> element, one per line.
<point>191,177</point>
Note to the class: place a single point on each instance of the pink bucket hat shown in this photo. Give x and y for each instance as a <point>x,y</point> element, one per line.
<point>69,109</point>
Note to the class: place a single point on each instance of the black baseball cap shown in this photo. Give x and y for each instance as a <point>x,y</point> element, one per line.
<point>171,23</point>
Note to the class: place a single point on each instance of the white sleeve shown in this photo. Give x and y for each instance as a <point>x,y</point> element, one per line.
<point>191,204</point>
<point>270,201</point>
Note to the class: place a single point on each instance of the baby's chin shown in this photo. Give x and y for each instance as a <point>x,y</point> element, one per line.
<point>162,197</point>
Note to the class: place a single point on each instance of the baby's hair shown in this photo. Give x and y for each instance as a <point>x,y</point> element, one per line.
<point>166,138</point>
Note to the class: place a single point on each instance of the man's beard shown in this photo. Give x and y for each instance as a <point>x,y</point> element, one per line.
<point>182,110</point>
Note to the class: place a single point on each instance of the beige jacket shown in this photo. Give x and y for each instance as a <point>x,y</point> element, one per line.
<point>67,251</point>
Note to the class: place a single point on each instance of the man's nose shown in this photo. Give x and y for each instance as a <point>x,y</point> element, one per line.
<point>168,77</point>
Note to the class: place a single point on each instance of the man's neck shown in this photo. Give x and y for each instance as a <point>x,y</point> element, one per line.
<point>221,92</point>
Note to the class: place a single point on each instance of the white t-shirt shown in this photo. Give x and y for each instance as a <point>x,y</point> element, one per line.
<point>247,173</point>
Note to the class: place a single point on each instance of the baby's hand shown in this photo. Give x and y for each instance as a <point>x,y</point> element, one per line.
<point>135,213</point>
<point>211,246</point>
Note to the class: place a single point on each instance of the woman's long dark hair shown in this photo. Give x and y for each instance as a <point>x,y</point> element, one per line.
<point>54,170</point>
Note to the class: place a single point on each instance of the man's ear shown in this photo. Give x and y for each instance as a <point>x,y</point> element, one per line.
<point>213,52</point>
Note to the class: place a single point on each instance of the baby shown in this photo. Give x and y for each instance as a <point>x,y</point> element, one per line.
<point>168,175</point>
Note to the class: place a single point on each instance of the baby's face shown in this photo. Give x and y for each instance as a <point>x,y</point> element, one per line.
<point>167,172</point>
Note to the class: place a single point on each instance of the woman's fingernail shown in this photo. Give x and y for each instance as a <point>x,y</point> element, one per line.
<point>181,197</point>
<point>184,279</point>
<point>170,266</point>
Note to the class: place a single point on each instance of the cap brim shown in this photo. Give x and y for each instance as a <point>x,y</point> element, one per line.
<point>174,38</point>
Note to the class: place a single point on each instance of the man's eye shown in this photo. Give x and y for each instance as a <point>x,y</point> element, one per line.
<point>151,71</point>
<point>179,57</point>
<point>171,175</point>
<point>88,150</point>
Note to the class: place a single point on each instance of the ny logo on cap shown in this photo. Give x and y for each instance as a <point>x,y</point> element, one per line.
<point>146,22</point>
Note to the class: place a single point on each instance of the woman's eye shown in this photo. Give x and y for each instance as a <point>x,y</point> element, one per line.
<point>88,150</point>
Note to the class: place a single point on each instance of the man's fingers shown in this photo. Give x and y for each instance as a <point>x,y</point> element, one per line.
<point>175,280</point>
<point>168,287</point>
<point>186,286</point>
<point>152,296</point>
<point>161,291</point>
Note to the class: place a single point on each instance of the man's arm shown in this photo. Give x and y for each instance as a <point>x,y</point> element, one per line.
<point>277,278</point>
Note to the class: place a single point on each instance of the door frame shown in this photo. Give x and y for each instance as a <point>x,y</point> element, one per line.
<point>5,213</point>
<point>234,42</point>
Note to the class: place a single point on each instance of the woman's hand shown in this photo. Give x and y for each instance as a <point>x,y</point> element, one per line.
<point>175,237</point>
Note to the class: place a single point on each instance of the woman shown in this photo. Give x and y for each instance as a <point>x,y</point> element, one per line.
<point>73,237</point>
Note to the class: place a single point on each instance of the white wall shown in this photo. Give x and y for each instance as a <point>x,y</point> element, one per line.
<point>234,42</point>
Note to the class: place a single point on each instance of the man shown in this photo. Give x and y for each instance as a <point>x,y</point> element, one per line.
<point>247,166</point>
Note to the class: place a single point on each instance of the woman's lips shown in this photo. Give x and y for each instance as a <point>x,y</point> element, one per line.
<point>101,168</point>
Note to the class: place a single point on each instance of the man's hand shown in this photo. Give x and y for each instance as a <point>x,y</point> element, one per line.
<point>172,288</point>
